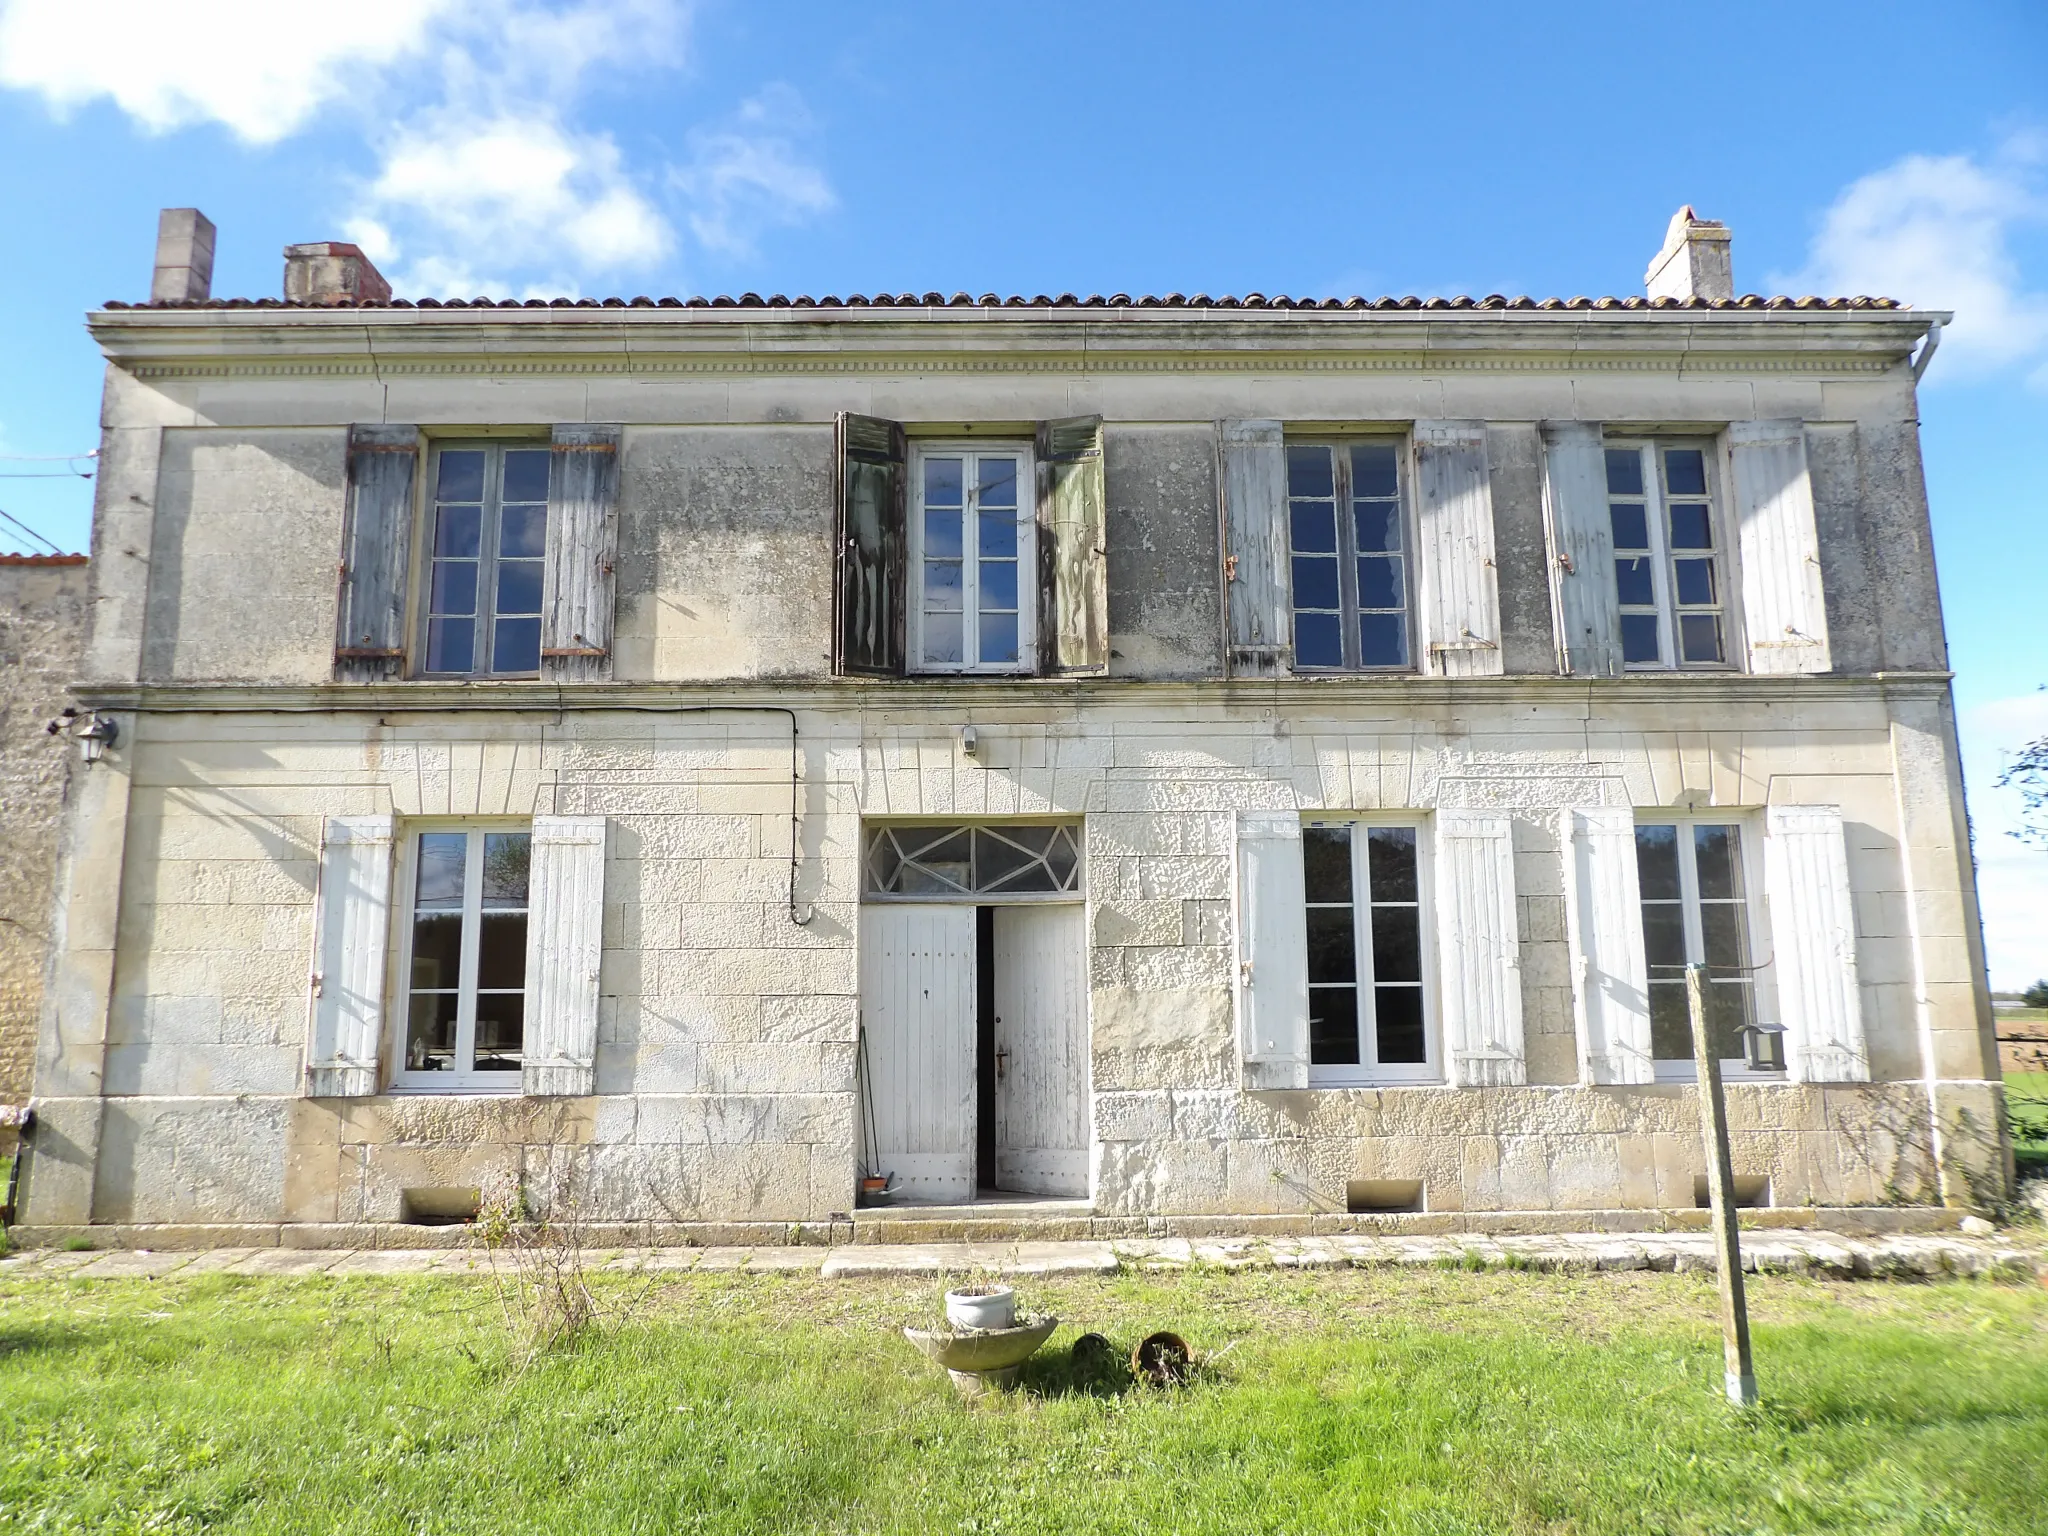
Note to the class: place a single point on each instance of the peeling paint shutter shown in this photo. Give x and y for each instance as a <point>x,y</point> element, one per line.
<point>1604,926</point>
<point>1581,538</point>
<point>1255,548</point>
<point>1478,950</point>
<point>376,552</point>
<point>1813,943</point>
<point>564,948</point>
<point>352,933</point>
<point>583,543</point>
<point>1073,630</point>
<point>1272,951</point>
<point>1460,592</point>
<point>869,594</point>
<point>1784,616</point>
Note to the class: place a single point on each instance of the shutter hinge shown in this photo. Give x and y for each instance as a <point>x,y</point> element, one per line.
<point>318,980</point>
<point>1566,562</point>
<point>1230,567</point>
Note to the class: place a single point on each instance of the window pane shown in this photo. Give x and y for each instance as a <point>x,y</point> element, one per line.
<point>1397,1026</point>
<point>1631,524</point>
<point>523,532</point>
<point>1379,582</point>
<point>998,637</point>
<point>1729,1010</point>
<point>501,951</point>
<point>461,476</point>
<point>936,858</point>
<point>998,585</point>
<point>1717,851</point>
<point>458,531</point>
<point>1063,857</point>
<point>1373,471</point>
<point>1000,861</point>
<point>942,535</point>
<point>1378,524</point>
<point>998,483</point>
<point>1396,944</point>
<point>942,482</point>
<point>451,645</point>
<point>500,1031</point>
<point>1635,582</point>
<point>944,586</point>
<point>1663,938</point>
<point>507,856</point>
<point>1382,640</point>
<point>454,587</point>
<point>1390,863</point>
<point>444,860</point>
<point>1315,527</point>
<point>1318,640</point>
<point>1624,472</point>
<point>1326,863</point>
<point>1721,930</point>
<point>436,951</point>
<point>430,1033</point>
<point>1695,583</point>
<point>1315,582</point>
<point>1690,526</point>
<point>1699,636</point>
<point>1333,1026</point>
<point>1639,641</point>
<point>515,645</point>
<point>1309,472</point>
<point>943,637</point>
<point>1670,1022</point>
<point>998,535</point>
<point>519,586</point>
<point>1657,862</point>
<point>1332,954</point>
<point>1685,471</point>
<point>526,475</point>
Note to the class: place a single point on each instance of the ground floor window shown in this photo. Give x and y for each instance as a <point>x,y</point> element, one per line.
<point>1696,887</point>
<point>465,960</point>
<point>1369,1007</point>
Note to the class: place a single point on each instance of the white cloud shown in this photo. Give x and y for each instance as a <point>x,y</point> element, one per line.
<point>748,175</point>
<point>1937,232</point>
<point>2012,877</point>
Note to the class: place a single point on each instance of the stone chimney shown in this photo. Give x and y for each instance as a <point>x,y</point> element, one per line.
<point>184,258</point>
<point>332,272</point>
<point>1695,262</point>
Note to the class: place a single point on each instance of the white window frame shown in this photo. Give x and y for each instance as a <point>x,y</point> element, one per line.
<point>1763,996</point>
<point>1348,554</point>
<point>485,619</point>
<point>1369,1073</point>
<point>1649,452</point>
<point>970,539</point>
<point>470,1081</point>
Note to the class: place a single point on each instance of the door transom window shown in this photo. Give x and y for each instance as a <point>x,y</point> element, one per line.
<point>982,863</point>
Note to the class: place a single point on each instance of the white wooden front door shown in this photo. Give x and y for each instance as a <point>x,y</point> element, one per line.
<point>1041,1035</point>
<point>917,1003</point>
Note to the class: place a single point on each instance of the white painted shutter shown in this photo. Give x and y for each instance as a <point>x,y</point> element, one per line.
<point>1272,951</point>
<point>1581,538</point>
<point>1604,925</point>
<point>1784,616</point>
<point>1813,943</point>
<point>352,935</point>
<point>582,553</point>
<point>1255,580</point>
<point>1478,950</point>
<point>564,946</point>
<point>1460,595</point>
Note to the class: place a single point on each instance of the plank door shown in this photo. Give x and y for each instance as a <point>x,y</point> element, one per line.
<point>1041,1032</point>
<point>917,1005</point>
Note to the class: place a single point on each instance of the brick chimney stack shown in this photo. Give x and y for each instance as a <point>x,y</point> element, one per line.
<point>1695,263</point>
<point>332,272</point>
<point>184,258</point>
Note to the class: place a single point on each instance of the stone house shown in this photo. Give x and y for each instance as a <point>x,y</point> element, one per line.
<point>1160,756</point>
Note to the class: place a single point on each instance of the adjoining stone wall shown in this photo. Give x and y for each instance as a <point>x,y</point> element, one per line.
<point>42,636</point>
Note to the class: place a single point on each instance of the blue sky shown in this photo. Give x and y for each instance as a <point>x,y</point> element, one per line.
<point>656,146</point>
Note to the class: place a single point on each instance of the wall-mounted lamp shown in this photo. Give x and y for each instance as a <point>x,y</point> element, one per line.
<point>1763,1047</point>
<point>95,736</point>
<point>970,744</point>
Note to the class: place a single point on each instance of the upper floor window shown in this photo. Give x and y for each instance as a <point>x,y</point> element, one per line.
<point>974,549</point>
<point>1347,543</point>
<point>1368,1013</point>
<point>486,554</point>
<point>1696,885</point>
<point>1670,571</point>
<point>465,962</point>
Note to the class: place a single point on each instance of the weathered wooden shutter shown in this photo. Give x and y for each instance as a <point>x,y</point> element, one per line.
<point>1604,927</point>
<point>1460,591</point>
<point>564,948</point>
<point>1255,583</point>
<point>1813,943</point>
<point>1073,545</point>
<point>869,596</point>
<point>352,934</point>
<point>376,552</point>
<point>1581,538</point>
<point>1479,950</point>
<point>1784,616</point>
<point>583,544</point>
<point>1271,920</point>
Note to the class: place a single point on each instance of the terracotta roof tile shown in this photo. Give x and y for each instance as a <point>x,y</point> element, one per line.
<point>42,559</point>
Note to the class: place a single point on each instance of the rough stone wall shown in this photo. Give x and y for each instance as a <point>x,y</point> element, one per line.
<point>42,637</point>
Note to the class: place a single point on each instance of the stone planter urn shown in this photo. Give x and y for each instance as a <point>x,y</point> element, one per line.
<point>982,1307</point>
<point>980,1359</point>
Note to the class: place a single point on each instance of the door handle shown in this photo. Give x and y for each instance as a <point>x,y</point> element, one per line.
<point>1002,1060</point>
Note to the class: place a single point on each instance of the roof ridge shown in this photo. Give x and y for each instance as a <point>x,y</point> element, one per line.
<point>1492,301</point>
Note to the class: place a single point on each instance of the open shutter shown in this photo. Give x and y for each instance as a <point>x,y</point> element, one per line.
<point>1813,943</point>
<point>1581,537</point>
<point>1073,544</point>
<point>1255,586</point>
<point>583,544</point>
<point>376,552</point>
<point>352,931</point>
<point>1784,616</point>
<point>1460,592</point>
<point>1604,925</point>
<point>564,948</point>
<point>1478,948</point>
<point>1271,920</point>
<point>868,596</point>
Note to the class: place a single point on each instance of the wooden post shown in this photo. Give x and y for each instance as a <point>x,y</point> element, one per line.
<point>1721,1193</point>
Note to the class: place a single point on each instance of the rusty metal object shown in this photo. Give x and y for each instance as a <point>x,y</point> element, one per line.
<point>1163,1359</point>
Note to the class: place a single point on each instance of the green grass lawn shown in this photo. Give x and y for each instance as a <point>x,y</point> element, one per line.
<point>2026,1106</point>
<point>1354,1401</point>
